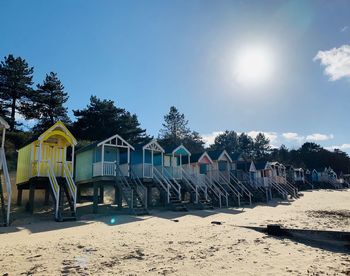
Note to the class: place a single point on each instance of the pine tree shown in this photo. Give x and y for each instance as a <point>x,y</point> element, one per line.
<point>174,127</point>
<point>102,119</point>
<point>15,87</point>
<point>48,103</point>
<point>245,144</point>
<point>261,146</point>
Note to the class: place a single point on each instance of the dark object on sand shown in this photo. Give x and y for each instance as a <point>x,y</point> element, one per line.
<point>175,220</point>
<point>216,222</point>
<point>329,240</point>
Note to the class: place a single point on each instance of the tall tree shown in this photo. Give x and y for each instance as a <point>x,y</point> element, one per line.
<point>102,119</point>
<point>261,146</point>
<point>48,103</point>
<point>15,86</point>
<point>246,144</point>
<point>227,140</point>
<point>175,127</point>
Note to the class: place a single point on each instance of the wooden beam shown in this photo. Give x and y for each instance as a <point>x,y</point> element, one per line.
<point>19,197</point>
<point>31,197</point>
<point>102,158</point>
<point>95,198</point>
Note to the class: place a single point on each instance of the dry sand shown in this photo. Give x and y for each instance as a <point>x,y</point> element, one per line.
<point>169,243</point>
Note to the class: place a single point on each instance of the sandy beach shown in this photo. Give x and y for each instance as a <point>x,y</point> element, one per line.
<point>169,243</point>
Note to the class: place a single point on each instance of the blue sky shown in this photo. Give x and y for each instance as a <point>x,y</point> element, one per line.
<point>149,55</point>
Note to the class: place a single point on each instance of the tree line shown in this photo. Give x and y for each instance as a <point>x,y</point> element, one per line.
<point>46,102</point>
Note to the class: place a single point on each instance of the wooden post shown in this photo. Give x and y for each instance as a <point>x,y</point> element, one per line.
<point>143,163</point>
<point>149,196</point>
<point>78,194</point>
<point>152,161</point>
<point>118,198</point>
<point>73,148</point>
<point>39,158</point>
<point>101,194</point>
<point>95,198</point>
<point>47,196</point>
<point>128,161</point>
<point>19,197</point>
<point>31,197</point>
<point>102,158</point>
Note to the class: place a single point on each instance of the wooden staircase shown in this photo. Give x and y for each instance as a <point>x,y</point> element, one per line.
<point>172,188</point>
<point>133,192</point>
<point>259,192</point>
<point>63,191</point>
<point>198,191</point>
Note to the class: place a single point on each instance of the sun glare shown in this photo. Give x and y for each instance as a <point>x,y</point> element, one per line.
<point>253,66</point>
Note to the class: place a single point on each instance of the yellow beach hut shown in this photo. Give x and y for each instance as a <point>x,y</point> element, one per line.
<point>47,163</point>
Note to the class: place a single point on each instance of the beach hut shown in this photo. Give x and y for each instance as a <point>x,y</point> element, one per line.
<point>47,163</point>
<point>239,158</point>
<point>147,162</point>
<point>299,175</point>
<point>4,207</point>
<point>278,172</point>
<point>263,173</point>
<point>147,159</point>
<point>107,163</point>
<point>174,159</point>
<point>201,171</point>
<point>221,164</point>
<point>200,164</point>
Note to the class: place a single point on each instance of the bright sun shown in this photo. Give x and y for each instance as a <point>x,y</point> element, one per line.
<point>253,66</point>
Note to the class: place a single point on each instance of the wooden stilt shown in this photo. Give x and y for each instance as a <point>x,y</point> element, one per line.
<point>149,196</point>
<point>78,193</point>
<point>95,198</point>
<point>19,197</point>
<point>118,197</point>
<point>47,196</point>
<point>101,193</point>
<point>31,197</point>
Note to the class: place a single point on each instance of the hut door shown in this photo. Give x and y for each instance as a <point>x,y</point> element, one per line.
<point>222,166</point>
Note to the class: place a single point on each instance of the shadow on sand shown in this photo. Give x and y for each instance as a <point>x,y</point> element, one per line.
<point>333,241</point>
<point>42,220</point>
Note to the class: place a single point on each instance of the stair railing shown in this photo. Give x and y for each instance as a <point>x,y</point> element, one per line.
<point>71,185</point>
<point>164,185</point>
<point>286,186</point>
<point>278,188</point>
<point>54,186</point>
<point>224,192</point>
<point>176,186</point>
<point>243,188</point>
<point>211,188</point>
<point>7,183</point>
<point>186,177</point>
<point>308,183</point>
<point>223,180</point>
<point>199,185</point>
<point>292,188</point>
<point>141,189</point>
<point>217,189</point>
<point>125,184</point>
